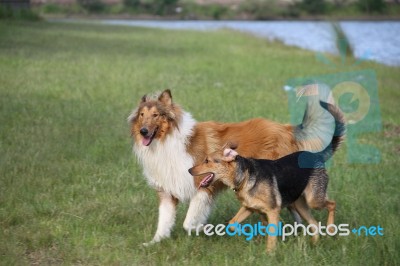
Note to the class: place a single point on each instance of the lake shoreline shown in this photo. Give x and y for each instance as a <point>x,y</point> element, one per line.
<point>368,40</point>
<point>177,18</point>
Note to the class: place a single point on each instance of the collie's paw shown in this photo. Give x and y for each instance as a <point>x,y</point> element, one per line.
<point>152,242</point>
<point>147,244</point>
<point>193,228</point>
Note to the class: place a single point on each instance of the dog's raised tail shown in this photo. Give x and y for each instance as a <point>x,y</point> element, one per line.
<point>339,132</point>
<point>315,132</point>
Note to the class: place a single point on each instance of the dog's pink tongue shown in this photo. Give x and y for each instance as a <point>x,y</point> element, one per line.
<point>206,181</point>
<point>146,141</point>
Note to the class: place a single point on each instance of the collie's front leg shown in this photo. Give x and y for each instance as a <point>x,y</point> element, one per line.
<point>199,210</point>
<point>166,217</point>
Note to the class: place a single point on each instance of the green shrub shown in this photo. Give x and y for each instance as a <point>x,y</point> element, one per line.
<point>371,6</point>
<point>5,12</point>
<point>292,11</point>
<point>51,8</point>
<point>134,4</point>
<point>261,9</point>
<point>116,9</point>
<point>212,11</point>
<point>217,11</point>
<point>19,14</point>
<point>92,6</point>
<point>162,7</point>
<point>156,7</point>
<point>314,7</point>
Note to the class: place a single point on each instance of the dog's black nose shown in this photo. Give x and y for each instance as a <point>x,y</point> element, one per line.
<point>190,171</point>
<point>144,131</point>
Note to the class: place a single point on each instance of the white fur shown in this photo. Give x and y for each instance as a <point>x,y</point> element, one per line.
<point>166,164</point>
<point>166,218</point>
<point>199,210</point>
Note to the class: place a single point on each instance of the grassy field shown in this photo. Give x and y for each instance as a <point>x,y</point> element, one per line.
<point>71,191</point>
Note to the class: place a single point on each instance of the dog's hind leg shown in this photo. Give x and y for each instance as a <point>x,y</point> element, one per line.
<point>166,217</point>
<point>303,209</point>
<point>316,196</point>
<point>331,206</point>
<point>295,215</point>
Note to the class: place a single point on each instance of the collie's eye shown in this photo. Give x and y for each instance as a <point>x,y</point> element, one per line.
<point>141,114</point>
<point>206,161</point>
<point>155,115</point>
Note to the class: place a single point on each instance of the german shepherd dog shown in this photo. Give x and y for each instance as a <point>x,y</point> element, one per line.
<point>168,141</point>
<point>265,186</point>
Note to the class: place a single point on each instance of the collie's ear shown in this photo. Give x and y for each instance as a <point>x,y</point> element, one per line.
<point>165,97</point>
<point>144,98</point>
<point>132,117</point>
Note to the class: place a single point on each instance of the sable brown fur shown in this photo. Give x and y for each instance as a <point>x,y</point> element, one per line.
<point>256,138</point>
<point>156,127</point>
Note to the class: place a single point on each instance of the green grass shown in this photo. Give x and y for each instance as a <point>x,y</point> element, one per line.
<point>71,191</point>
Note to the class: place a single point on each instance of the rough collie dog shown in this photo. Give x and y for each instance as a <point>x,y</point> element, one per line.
<point>168,141</point>
<point>299,180</point>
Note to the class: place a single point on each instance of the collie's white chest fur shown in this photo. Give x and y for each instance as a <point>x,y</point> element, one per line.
<point>165,164</point>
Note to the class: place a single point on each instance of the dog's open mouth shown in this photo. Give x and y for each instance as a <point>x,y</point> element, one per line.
<point>206,180</point>
<point>146,141</point>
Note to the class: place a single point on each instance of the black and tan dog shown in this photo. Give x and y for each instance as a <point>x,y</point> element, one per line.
<point>298,180</point>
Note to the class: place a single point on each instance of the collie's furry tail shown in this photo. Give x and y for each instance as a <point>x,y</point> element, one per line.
<point>318,126</point>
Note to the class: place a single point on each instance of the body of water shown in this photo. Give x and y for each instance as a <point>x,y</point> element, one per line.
<point>377,41</point>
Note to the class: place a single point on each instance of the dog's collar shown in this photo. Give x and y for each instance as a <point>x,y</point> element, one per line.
<point>237,188</point>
